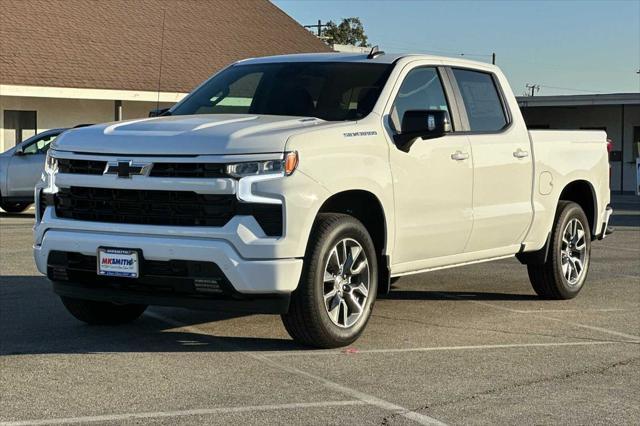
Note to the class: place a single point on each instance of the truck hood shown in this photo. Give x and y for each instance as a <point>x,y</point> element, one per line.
<point>220,134</point>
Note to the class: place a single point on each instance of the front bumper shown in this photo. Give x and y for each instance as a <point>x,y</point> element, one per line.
<point>252,277</point>
<point>255,265</point>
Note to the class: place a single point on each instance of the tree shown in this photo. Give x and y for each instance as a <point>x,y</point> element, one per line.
<point>349,31</point>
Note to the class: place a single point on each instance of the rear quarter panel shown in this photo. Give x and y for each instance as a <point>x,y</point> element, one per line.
<point>560,158</point>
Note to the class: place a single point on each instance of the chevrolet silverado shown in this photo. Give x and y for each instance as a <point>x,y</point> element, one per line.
<point>301,185</point>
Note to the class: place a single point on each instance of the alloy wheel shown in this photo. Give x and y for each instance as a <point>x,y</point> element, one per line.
<point>573,252</point>
<point>346,283</point>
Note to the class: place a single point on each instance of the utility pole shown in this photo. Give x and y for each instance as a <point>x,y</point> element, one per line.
<point>533,88</point>
<point>319,27</point>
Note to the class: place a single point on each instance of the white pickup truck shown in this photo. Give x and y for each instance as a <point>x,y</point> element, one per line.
<point>303,184</point>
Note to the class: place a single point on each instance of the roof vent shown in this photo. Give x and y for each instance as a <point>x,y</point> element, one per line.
<point>374,52</point>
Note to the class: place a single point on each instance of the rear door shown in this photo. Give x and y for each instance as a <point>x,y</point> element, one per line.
<point>25,168</point>
<point>433,181</point>
<point>502,162</point>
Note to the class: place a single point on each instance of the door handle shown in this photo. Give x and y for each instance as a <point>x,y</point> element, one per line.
<point>459,156</point>
<point>520,153</point>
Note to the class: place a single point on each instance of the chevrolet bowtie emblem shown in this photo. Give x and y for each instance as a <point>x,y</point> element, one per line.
<point>126,169</point>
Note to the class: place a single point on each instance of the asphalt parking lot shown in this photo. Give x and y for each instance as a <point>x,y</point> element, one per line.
<point>465,346</point>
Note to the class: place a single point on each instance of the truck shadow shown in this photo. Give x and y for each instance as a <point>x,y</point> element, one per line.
<point>24,215</point>
<point>34,321</point>
<point>454,295</point>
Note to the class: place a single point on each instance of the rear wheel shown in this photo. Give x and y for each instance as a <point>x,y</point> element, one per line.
<point>102,313</point>
<point>567,264</point>
<point>14,207</point>
<point>337,289</point>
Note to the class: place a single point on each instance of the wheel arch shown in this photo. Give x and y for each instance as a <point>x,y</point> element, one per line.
<point>368,209</point>
<point>579,191</point>
<point>582,193</point>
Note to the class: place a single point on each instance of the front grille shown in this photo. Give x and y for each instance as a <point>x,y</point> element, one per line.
<point>171,208</point>
<point>179,170</point>
<point>179,208</point>
<point>188,170</point>
<point>81,167</point>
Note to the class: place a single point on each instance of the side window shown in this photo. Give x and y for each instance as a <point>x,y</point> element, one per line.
<point>420,90</point>
<point>481,100</point>
<point>40,146</point>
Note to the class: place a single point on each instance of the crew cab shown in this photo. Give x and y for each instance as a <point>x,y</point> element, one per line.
<point>301,185</point>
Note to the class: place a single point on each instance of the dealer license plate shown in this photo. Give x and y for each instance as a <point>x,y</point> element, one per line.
<point>118,262</point>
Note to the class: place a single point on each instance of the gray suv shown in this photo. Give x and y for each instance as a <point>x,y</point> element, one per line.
<point>20,170</point>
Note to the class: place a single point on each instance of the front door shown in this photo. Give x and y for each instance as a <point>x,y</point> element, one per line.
<point>432,182</point>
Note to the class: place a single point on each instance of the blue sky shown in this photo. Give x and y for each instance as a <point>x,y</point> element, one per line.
<point>585,46</point>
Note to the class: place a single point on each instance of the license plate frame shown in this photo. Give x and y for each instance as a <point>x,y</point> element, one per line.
<point>126,265</point>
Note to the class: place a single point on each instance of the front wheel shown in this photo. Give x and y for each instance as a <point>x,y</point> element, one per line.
<point>102,313</point>
<point>337,289</point>
<point>565,271</point>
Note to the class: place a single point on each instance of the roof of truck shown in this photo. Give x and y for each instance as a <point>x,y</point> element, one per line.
<point>383,58</point>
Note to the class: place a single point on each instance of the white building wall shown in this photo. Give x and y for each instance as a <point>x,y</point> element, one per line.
<point>58,112</point>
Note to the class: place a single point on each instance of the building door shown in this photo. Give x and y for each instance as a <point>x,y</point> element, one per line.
<point>18,126</point>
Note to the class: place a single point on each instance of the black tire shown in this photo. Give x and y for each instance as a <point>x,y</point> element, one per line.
<point>14,207</point>
<point>549,280</point>
<point>308,320</point>
<point>102,313</point>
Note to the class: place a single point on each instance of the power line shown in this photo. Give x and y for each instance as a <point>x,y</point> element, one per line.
<point>437,52</point>
<point>570,89</point>
<point>407,45</point>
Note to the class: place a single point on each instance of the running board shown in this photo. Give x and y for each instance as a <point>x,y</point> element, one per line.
<point>455,265</point>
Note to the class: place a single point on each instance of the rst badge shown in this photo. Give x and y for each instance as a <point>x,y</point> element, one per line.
<point>118,262</point>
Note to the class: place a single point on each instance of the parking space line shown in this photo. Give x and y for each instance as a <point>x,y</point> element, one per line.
<point>594,328</point>
<point>575,324</point>
<point>560,311</point>
<point>181,413</point>
<point>450,348</point>
<point>353,393</point>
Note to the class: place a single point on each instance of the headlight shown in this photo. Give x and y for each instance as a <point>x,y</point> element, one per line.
<point>252,168</point>
<point>50,165</point>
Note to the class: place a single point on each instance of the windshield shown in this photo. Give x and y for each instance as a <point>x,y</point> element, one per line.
<point>332,91</point>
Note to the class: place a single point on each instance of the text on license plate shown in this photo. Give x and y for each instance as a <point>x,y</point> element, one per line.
<point>118,262</point>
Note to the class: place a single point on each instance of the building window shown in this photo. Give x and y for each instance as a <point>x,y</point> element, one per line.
<point>18,126</point>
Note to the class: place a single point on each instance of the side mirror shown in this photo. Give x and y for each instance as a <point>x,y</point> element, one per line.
<point>425,124</point>
<point>19,150</point>
<point>158,112</point>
